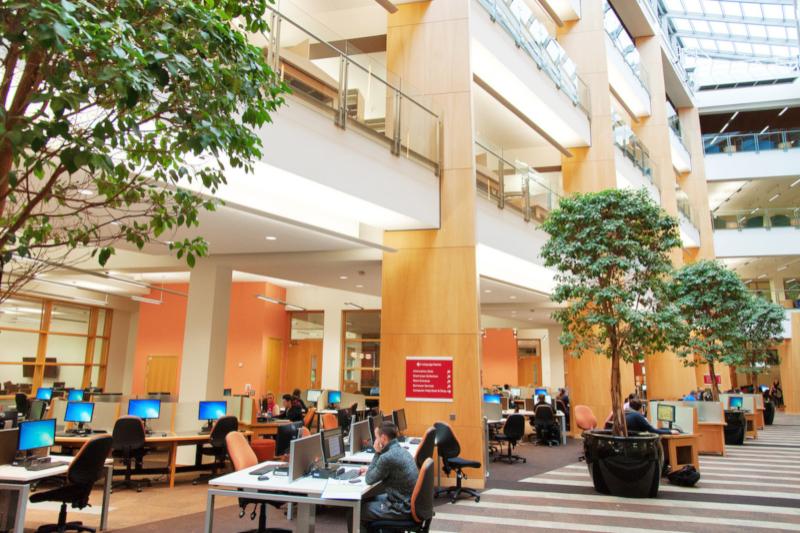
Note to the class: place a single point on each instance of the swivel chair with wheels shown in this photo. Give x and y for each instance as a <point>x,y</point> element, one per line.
<point>217,447</point>
<point>86,468</point>
<point>449,448</point>
<point>242,456</point>
<point>584,418</point>
<point>128,444</point>
<point>425,449</point>
<point>308,420</point>
<point>421,506</point>
<point>548,432</point>
<point>330,421</point>
<point>512,432</point>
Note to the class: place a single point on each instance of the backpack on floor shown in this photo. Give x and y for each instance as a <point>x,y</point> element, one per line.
<point>686,476</point>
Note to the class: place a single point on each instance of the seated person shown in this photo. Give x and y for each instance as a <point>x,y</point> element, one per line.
<point>296,396</point>
<point>540,400</point>
<point>631,396</point>
<point>269,406</point>
<point>395,468</point>
<point>690,397</point>
<point>291,409</point>
<point>636,421</point>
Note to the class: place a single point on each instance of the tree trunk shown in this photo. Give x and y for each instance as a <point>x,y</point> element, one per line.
<point>618,416</point>
<point>714,386</point>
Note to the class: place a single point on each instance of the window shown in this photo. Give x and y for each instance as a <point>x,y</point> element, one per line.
<point>361,351</point>
<point>307,325</point>
<point>791,289</point>
<point>46,342</point>
<point>760,288</point>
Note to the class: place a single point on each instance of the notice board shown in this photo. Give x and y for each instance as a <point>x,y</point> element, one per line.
<point>429,379</point>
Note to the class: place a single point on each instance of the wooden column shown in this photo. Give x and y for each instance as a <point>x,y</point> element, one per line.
<point>790,368</point>
<point>430,285</point>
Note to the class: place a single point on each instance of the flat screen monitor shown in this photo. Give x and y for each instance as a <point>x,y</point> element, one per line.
<point>35,434</point>
<point>665,413</point>
<point>304,454</point>
<point>491,398</point>
<point>312,395</point>
<point>538,391</point>
<point>212,410</point>
<point>735,402</point>
<point>333,445</point>
<point>399,419</point>
<point>763,388</point>
<point>37,410</point>
<point>548,399</point>
<point>145,409</point>
<point>516,392</point>
<point>360,436</point>
<point>44,393</point>
<point>75,395</point>
<point>80,412</point>
<point>286,434</point>
<point>334,397</point>
<point>374,423</point>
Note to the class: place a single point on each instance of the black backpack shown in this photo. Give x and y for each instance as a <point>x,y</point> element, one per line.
<point>686,476</point>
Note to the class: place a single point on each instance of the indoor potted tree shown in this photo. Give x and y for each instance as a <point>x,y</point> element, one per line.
<point>710,299</point>
<point>611,250</point>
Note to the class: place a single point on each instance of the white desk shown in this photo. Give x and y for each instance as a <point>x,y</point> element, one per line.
<point>306,492</point>
<point>559,414</point>
<point>19,480</point>
<point>365,458</point>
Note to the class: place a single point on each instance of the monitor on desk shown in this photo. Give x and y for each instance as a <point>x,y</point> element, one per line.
<point>79,412</point>
<point>516,392</point>
<point>304,454</point>
<point>491,398</point>
<point>548,399</point>
<point>34,434</point>
<point>37,410</point>
<point>665,413</point>
<point>334,397</point>
<point>211,411</point>
<point>145,409</point>
<point>9,418</point>
<point>333,445</point>
<point>540,390</point>
<point>360,436</point>
<point>735,402</point>
<point>763,388</point>
<point>399,419</point>
<point>374,423</point>
<point>75,395</point>
<point>312,395</point>
<point>286,434</point>
<point>44,393</point>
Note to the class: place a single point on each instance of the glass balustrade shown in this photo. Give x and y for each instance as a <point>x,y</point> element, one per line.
<point>715,143</point>
<point>685,206</point>
<point>513,185</point>
<point>759,218</point>
<point>532,36</point>
<point>625,46</point>
<point>633,148</point>
<point>361,95</point>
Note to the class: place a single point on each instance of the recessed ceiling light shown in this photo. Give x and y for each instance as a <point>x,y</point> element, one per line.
<point>784,110</point>
<point>359,286</point>
<point>512,297</point>
<point>86,192</point>
<point>762,276</point>
<point>775,197</point>
<point>765,129</point>
<point>487,291</point>
<point>342,277</point>
<point>795,182</point>
<point>784,267</point>
<point>271,238</point>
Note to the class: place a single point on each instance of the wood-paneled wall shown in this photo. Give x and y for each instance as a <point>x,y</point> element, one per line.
<point>299,365</point>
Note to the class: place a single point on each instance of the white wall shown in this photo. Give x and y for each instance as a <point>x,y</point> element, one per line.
<point>752,165</point>
<point>121,352</point>
<point>754,242</point>
<point>331,301</point>
<point>552,354</point>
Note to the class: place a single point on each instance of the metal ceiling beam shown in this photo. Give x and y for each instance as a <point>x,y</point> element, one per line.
<point>783,23</point>
<point>785,61</point>
<point>735,39</point>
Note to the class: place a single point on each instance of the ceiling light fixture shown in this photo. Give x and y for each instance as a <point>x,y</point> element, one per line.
<point>795,182</point>
<point>762,276</point>
<point>784,110</point>
<point>765,129</point>
<point>359,286</point>
<point>775,197</point>
<point>487,291</point>
<point>142,299</point>
<point>512,297</point>
<point>356,306</point>
<point>286,305</point>
<point>753,211</point>
<point>342,277</point>
<point>782,268</point>
<point>271,238</point>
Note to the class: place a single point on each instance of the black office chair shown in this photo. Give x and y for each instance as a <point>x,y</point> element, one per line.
<point>345,416</point>
<point>217,447</point>
<point>562,406</point>
<point>513,431</point>
<point>449,448</point>
<point>23,404</point>
<point>421,506</point>
<point>548,432</point>
<point>85,470</point>
<point>425,449</point>
<point>129,445</point>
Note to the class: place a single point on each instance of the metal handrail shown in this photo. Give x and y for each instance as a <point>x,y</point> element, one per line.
<point>751,142</point>
<point>758,218</point>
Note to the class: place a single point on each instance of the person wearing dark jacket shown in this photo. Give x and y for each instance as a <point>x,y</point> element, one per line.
<point>291,409</point>
<point>636,421</point>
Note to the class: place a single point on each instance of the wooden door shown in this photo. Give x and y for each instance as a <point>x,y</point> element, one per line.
<point>304,363</point>
<point>525,371</point>
<point>161,374</point>
<point>273,377</point>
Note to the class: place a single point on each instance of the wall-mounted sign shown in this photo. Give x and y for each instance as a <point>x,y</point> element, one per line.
<point>707,379</point>
<point>429,379</point>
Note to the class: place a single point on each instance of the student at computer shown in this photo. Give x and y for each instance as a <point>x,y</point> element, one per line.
<point>636,421</point>
<point>630,397</point>
<point>690,397</point>
<point>291,409</point>
<point>395,468</point>
<point>270,406</point>
<point>296,396</point>
<point>542,400</point>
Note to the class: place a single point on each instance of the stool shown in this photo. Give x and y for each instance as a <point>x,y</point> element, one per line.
<point>264,449</point>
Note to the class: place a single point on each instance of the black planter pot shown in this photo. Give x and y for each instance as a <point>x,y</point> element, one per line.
<point>736,427</point>
<point>769,413</point>
<point>624,466</point>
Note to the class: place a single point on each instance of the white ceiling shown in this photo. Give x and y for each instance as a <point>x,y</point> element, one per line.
<point>501,128</point>
<point>506,301</point>
<point>749,194</point>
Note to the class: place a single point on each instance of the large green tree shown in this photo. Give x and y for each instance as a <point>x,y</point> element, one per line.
<point>710,299</point>
<point>611,250</point>
<point>103,104</point>
<point>762,330</point>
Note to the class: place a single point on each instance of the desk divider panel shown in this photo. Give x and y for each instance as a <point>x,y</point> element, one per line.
<point>349,398</point>
<point>758,399</point>
<point>165,422</point>
<point>685,417</point>
<point>58,408</point>
<point>526,392</point>
<point>748,402</point>
<point>105,415</point>
<point>492,411</point>
<point>711,412</point>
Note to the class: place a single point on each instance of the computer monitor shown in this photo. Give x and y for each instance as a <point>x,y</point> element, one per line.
<point>286,434</point>
<point>312,395</point>
<point>538,391</point>
<point>9,418</point>
<point>37,410</point>
<point>79,412</point>
<point>491,398</point>
<point>145,409</point>
<point>374,423</point>
<point>44,393</point>
<point>548,399</point>
<point>75,395</point>
<point>334,397</point>
<point>211,411</point>
<point>516,392</point>
<point>735,402</point>
<point>333,445</point>
<point>763,388</point>
<point>399,419</point>
<point>35,434</point>
<point>360,436</point>
<point>304,455</point>
<point>665,413</point>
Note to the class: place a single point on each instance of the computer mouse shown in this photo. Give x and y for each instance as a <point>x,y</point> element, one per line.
<point>263,478</point>
<point>355,480</point>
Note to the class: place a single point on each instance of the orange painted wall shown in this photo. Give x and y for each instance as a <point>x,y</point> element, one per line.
<point>251,323</point>
<point>499,357</point>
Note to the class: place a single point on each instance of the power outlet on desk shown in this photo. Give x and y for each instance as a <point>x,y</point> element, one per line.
<point>452,416</point>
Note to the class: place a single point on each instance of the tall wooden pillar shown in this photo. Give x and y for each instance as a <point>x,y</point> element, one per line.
<point>790,368</point>
<point>430,285</point>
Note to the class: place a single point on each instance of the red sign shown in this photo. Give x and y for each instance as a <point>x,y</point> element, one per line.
<point>707,379</point>
<point>429,379</point>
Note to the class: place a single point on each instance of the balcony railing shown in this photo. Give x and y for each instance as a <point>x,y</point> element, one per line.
<point>675,125</point>
<point>625,46</point>
<point>354,96</point>
<point>759,218</point>
<point>531,36</point>
<point>714,143</point>
<point>515,185</point>
<point>633,149</point>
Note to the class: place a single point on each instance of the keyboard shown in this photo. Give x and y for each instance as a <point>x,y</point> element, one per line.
<point>36,467</point>
<point>415,441</point>
<point>348,474</point>
<point>279,470</point>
